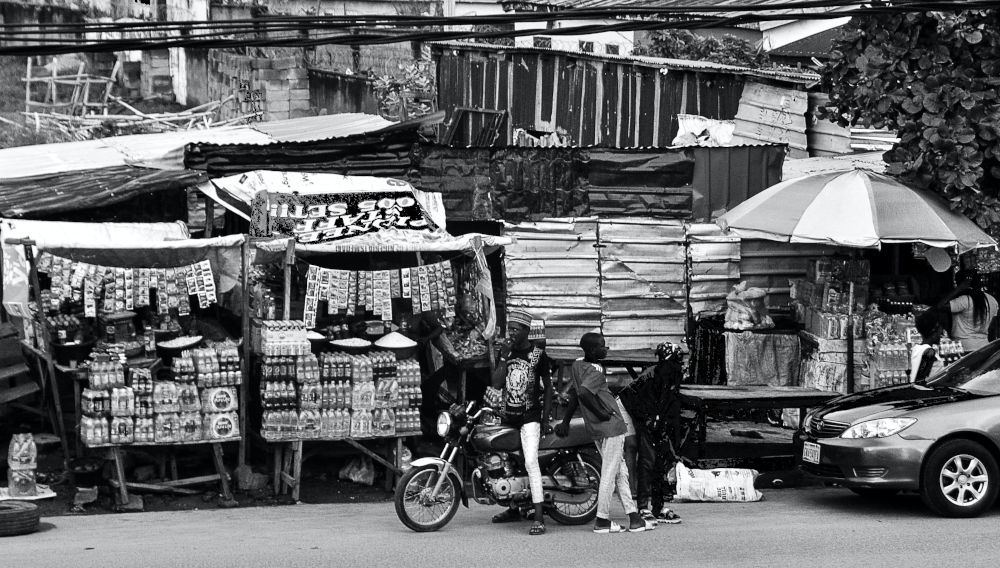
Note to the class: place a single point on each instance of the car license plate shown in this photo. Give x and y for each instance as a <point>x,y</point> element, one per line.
<point>810,452</point>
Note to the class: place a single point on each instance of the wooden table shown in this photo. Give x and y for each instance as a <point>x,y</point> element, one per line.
<point>115,453</point>
<point>288,457</point>
<point>705,398</point>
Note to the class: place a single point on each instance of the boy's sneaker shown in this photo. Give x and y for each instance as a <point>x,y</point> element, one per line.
<point>647,515</point>
<point>605,526</point>
<point>668,517</point>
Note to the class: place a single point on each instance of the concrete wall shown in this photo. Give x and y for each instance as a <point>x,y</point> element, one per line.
<point>269,88</point>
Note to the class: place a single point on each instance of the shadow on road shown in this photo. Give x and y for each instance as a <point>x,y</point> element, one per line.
<point>904,505</point>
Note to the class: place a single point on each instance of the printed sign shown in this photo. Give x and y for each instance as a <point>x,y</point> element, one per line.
<point>320,217</point>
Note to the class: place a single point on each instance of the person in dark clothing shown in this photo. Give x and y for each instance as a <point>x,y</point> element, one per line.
<point>655,408</point>
<point>924,360</point>
<point>523,374</point>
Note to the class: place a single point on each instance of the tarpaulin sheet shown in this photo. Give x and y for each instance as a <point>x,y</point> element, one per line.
<point>224,253</point>
<point>55,234</point>
<point>42,196</point>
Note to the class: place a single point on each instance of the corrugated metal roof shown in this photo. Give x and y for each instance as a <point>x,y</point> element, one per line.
<point>871,161</point>
<point>662,63</point>
<point>760,6</point>
<point>312,128</point>
<point>166,150</point>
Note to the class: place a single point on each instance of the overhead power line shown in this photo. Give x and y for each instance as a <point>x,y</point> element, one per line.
<point>307,31</point>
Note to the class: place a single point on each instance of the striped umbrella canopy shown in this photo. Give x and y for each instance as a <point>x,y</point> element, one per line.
<point>853,208</point>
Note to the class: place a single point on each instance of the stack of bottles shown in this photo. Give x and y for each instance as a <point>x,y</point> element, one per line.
<point>200,403</point>
<point>283,338</point>
<point>890,362</point>
<point>339,396</point>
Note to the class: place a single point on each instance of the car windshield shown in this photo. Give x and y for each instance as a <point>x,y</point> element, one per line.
<point>977,372</point>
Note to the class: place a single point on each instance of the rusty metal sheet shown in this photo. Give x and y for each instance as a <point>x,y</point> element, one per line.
<point>643,285</point>
<point>773,114</point>
<point>553,271</point>
<point>715,268</point>
<point>771,264</point>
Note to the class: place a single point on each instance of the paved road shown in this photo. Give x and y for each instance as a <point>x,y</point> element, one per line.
<point>812,528</point>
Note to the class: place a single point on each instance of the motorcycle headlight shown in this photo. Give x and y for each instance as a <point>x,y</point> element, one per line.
<point>443,424</point>
<point>879,428</point>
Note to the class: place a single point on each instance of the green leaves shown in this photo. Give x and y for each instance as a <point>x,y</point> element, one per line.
<point>934,77</point>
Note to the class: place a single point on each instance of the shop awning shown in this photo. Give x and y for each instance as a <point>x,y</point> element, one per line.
<point>53,235</point>
<point>237,193</point>
<point>225,254</point>
<point>853,208</point>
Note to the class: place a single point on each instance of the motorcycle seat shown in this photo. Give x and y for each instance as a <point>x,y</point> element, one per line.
<point>577,436</point>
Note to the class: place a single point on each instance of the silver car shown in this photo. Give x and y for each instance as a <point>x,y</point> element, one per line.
<point>940,437</point>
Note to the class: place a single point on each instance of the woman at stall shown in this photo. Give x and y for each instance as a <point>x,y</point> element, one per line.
<point>924,360</point>
<point>972,310</point>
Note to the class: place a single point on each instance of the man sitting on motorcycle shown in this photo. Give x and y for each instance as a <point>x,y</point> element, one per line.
<point>524,375</point>
<point>603,416</point>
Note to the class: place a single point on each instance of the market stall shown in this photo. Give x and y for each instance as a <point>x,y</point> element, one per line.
<point>140,327</point>
<point>857,324</point>
<point>357,296</point>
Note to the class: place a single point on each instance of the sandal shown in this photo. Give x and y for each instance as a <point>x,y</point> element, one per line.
<point>669,517</point>
<point>610,527</point>
<point>537,528</point>
<point>508,516</point>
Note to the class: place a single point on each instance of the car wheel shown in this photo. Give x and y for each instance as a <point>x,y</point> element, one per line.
<point>960,479</point>
<point>874,492</point>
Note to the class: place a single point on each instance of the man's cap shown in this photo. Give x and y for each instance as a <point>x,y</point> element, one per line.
<point>519,316</point>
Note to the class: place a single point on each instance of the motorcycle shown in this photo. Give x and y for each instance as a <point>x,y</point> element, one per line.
<point>428,494</point>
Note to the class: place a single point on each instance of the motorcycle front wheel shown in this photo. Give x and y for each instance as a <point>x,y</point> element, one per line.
<point>415,506</point>
<point>571,468</point>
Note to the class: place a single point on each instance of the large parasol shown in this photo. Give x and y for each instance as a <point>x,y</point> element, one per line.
<point>853,208</point>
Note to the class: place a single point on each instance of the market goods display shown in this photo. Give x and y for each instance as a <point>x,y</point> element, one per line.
<point>890,340</point>
<point>346,292</point>
<point>833,289</point>
<point>339,395</point>
<point>198,400</point>
<point>104,289</point>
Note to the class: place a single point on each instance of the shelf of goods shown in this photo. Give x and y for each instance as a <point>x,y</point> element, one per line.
<point>108,325</point>
<point>890,364</point>
<point>336,395</point>
<point>829,303</point>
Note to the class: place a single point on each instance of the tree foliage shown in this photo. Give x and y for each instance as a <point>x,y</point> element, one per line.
<point>682,44</point>
<point>933,77</point>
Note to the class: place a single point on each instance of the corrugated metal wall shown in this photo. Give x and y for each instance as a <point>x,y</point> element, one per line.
<point>609,102</point>
<point>553,271</point>
<point>516,184</point>
<point>624,277</point>
<point>643,285</point>
<point>727,176</point>
<point>715,267</point>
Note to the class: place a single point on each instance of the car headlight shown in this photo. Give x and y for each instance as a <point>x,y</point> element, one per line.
<point>443,424</point>
<point>879,428</point>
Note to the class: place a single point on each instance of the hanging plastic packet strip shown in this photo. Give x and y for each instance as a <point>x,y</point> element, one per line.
<point>404,277</point>
<point>352,292</point>
<point>89,301</point>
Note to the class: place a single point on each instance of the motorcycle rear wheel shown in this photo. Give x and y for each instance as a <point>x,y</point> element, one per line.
<point>572,513</point>
<point>412,499</point>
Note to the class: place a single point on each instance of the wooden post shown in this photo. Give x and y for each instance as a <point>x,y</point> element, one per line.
<point>29,256</point>
<point>220,467</point>
<point>209,216</point>
<point>116,455</point>
<point>27,86</point>
<point>53,92</point>
<point>247,353</point>
<point>296,469</point>
<point>289,262</point>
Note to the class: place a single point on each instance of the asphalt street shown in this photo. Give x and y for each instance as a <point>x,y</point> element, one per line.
<point>812,527</point>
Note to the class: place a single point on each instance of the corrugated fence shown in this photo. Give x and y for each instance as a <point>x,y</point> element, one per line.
<point>597,101</point>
